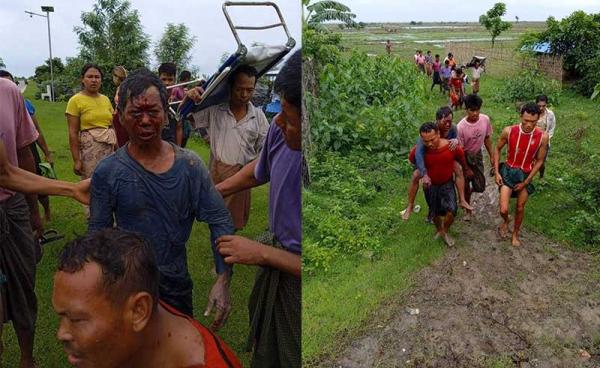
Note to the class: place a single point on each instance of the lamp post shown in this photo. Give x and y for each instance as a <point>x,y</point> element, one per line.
<point>48,10</point>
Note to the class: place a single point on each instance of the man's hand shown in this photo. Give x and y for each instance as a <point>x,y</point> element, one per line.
<point>195,94</point>
<point>469,173</point>
<point>452,144</point>
<point>426,181</point>
<point>219,299</point>
<point>499,180</point>
<point>520,186</point>
<point>237,249</point>
<point>78,167</point>
<point>219,188</point>
<point>82,191</point>
<point>36,224</point>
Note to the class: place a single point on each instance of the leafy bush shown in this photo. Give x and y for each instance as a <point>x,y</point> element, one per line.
<point>526,85</point>
<point>368,104</point>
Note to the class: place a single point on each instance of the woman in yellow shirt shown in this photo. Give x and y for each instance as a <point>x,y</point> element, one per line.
<point>89,115</point>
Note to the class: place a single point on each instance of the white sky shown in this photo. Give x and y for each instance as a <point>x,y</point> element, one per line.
<point>463,10</point>
<point>24,40</point>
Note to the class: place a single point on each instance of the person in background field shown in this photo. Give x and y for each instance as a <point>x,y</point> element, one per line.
<point>388,47</point>
<point>41,142</point>
<point>178,94</point>
<point>440,195</point>
<point>547,123</point>
<point>447,131</point>
<point>158,189</point>
<point>237,132</point>
<point>526,151</point>
<point>275,308</point>
<point>428,63</point>
<point>446,74</point>
<point>173,129</point>
<point>476,71</point>
<point>436,67</point>
<point>118,76</point>
<point>475,132</point>
<point>457,89</point>
<point>451,61</point>
<point>89,116</point>
<point>106,295</point>
<point>420,60</point>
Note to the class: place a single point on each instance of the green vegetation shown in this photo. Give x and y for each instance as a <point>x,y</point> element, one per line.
<point>68,219</point>
<point>493,22</point>
<point>526,86</point>
<point>175,46</point>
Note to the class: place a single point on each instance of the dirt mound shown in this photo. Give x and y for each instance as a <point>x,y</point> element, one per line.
<point>487,304</point>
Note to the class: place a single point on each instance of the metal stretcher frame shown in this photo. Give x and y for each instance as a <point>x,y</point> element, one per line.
<point>215,90</point>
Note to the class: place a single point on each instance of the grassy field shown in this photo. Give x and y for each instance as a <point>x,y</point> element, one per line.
<point>339,304</point>
<point>68,219</point>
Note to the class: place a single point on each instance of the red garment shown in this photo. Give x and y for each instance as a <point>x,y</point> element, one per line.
<point>216,353</point>
<point>456,83</point>
<point>523,148</point>
<point>440,162</point>
<point>122,136</point>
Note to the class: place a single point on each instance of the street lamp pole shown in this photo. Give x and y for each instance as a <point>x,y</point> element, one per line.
<point>48,10</point>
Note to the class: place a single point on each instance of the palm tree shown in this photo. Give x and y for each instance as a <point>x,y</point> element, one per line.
<point>327,10</point>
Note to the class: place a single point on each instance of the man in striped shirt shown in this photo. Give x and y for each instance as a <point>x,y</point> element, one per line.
<point>527,147</point>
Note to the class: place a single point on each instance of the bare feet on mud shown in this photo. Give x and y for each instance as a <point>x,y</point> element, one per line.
<point>448,240</point>
<point>503,231</point>
<point>466,206</point>
<point>515,241</point>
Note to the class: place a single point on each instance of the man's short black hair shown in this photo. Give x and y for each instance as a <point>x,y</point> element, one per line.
<point>185,76</point>
<point>288,83</point>
<point>541,98</point>
<point>246,69</point>
<point>473,102</point>
<point>530,108</point>
<point>167,68</point>
<point>428,127</point>
<point>127,261</point>
<point>136,83</point>
<point>6,74</point>
<point>442,112</point>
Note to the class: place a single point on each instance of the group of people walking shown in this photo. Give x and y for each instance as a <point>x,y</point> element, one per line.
<point>449,158</point>
<point>125,285</point>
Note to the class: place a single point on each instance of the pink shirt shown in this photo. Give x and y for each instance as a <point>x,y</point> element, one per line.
<point>16,128</point>
<point>472,135</point>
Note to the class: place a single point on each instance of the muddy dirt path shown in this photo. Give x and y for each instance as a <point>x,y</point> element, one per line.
<point>487,304</point>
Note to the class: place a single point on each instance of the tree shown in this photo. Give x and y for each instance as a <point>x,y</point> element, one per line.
<point>42,72</point>
<point>175,45</point>
<point>112,35</point>
<point>2,65</point>
<point>517,18</point>
<point>327,10</point>
<point>493,22</point>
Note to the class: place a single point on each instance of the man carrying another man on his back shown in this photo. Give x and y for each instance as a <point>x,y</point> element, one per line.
<point>237,131</point>
<point>440,195</point>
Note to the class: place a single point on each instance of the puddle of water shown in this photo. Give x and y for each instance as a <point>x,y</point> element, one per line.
<point>465,40</point>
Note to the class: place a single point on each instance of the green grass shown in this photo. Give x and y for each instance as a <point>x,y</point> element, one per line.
<point>68,219</point>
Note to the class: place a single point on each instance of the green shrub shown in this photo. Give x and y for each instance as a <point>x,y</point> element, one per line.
<point>526,85</point>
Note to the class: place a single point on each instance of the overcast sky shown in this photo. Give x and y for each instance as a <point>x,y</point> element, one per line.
<point>463,10</point>
<point>24,40</point>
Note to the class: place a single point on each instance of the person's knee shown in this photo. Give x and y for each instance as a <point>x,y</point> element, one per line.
<point>504,210</point>
<point>520,207</point>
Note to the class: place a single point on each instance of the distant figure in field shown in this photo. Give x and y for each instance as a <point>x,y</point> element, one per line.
<point>420,61</point>
<point>388,47</point>
<point>118,76</point>
<point>457,89</point>
<point>437,79</point>
<point>527,146</point>
<point>476,71</point>
<point>428,62</point>
<point>446,74</point>
<point>451,60</point>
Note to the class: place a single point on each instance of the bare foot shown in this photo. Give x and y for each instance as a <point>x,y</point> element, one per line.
<point>468,216</point>
<point>406,213</point>
<point>503,231</point>
<point>448,240</point>
<point>515,241</point>
<point>29,363</point>
<point>466,206</point>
